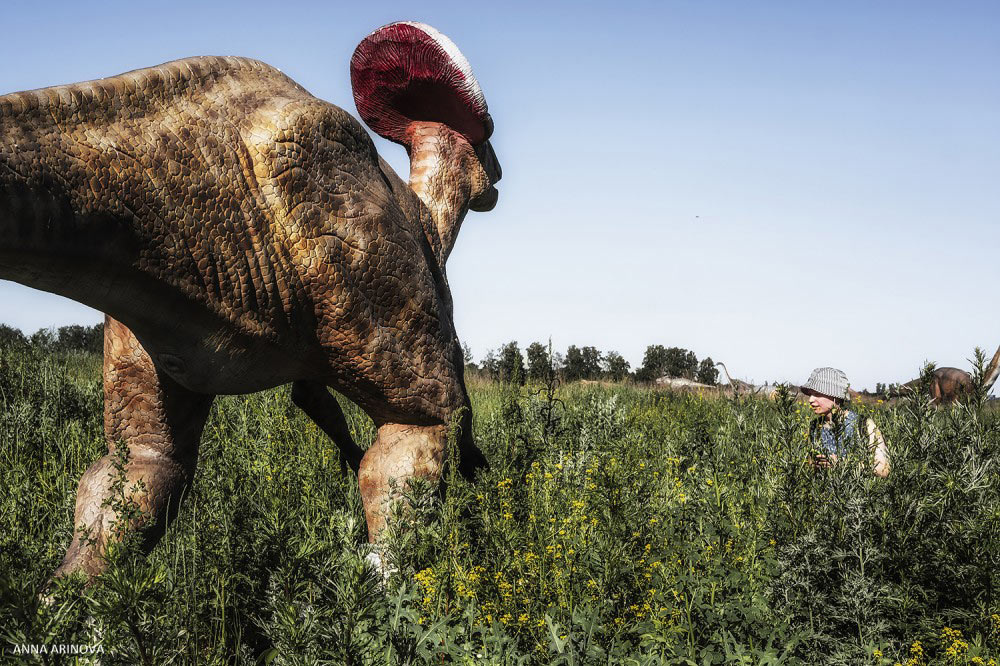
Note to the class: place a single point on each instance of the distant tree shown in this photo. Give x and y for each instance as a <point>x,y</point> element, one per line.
<point>653,362</point>
<point>43,338</point>
<point>491,365</point>
<point>11,337</point>
<point>510,364</point>
<point>680,363</point>
<point>707,372</point>
<point>66,338</point>
<point>592,359</point>
<point>659,361</point>
<point>80,338</point>
<point>538,361</point>
<point>615,366</point>
<point>582,363</point>
<point>470,365</point>
<point>573,367</point>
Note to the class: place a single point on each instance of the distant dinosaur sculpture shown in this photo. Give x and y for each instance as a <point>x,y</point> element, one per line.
<point>684,384</point>
<point>737,385</point>
<point>949,384</point>
<point>242,234</point>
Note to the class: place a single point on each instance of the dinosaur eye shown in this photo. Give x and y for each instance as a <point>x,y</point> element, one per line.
<point>172,364</point>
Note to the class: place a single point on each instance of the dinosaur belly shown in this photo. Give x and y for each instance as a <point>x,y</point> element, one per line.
<point>227,370</point>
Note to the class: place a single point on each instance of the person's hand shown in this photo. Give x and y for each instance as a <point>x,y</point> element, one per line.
<point>821,460</point>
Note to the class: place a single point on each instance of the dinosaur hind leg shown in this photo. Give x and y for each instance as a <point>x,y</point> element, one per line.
<point>160,422</point>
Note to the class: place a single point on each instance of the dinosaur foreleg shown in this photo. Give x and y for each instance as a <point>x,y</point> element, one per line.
<point>471,458</point>
<point>160,422</point>
<point>400,453</point>
<point>322,407</point>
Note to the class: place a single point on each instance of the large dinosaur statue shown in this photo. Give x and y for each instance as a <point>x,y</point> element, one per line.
<point>242,234</point>
<point>949,384</point>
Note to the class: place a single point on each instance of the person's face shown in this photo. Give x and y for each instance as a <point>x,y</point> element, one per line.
<point>821,404</point>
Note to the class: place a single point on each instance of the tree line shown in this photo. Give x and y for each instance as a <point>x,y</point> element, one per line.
<point>540,362</point>
<point>64,338</point>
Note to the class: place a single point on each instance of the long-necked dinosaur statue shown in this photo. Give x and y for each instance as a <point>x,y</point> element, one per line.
<point>737,385</point>
<point>949,384</point>
<point>241,234</point>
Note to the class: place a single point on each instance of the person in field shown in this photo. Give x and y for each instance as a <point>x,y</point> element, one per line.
<point>834,431</point>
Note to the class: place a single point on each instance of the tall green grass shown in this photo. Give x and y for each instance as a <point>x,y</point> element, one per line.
<point>616,525</point>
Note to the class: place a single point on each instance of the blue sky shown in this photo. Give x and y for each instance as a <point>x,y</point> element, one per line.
<point>779,185</point>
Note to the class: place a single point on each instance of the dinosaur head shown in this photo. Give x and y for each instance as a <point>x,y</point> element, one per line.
<point>406,73</point>
<point>414,87</point>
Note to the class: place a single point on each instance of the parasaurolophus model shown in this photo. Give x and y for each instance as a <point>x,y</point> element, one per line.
<point>241,234</point>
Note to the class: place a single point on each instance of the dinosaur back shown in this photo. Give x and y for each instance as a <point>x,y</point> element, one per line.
<point>141,91</point>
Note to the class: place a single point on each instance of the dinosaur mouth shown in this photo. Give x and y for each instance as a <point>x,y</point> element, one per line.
<point>491,167</point>
<point>485,201</point>
<point>405,72</point>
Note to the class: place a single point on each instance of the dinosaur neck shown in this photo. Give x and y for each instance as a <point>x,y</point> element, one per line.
<point>992,371</point>
<point>438,176</point>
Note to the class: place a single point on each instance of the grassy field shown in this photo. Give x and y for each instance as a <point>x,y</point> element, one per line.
<point>617,525</point>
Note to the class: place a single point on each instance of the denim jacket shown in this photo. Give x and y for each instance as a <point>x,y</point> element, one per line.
<point>835,438</point>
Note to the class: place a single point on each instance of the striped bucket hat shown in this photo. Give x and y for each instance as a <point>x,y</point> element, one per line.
<point>830,382</point>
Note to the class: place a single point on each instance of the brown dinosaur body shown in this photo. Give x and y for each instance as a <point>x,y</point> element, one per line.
<point>242,234</point>
<point>950,384</point>
<point>946,384</point>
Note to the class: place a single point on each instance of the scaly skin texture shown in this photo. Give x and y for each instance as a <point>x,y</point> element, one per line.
<point>241,234</point>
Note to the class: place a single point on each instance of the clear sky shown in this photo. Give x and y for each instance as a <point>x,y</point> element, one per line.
<point>779,185</point>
